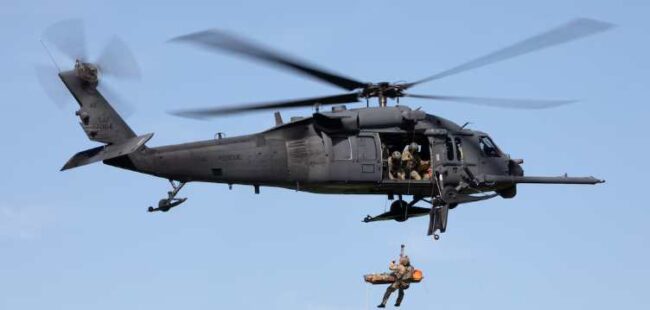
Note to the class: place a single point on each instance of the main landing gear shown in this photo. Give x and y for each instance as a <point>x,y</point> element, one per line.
<point>438,219</point>
<point>401,211</point>
<point>171,201</point>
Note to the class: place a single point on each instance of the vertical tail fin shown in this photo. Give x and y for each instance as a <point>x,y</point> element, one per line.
<point>98,118</point>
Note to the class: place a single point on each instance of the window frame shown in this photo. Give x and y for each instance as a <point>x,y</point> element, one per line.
<point>497,152</point>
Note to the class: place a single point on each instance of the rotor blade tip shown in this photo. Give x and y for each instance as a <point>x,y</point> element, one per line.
<point>188,114</point>
<point>177,39</point>
<point>595,23</point>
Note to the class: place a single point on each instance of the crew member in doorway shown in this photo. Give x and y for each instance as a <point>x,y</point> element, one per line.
<point>411,161</point>
<point>425,170</point>
<point>395,169</point>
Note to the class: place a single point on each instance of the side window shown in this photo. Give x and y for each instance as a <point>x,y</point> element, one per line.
<point>341,148</point>
<point>459,148</point>
<point>450,148</point>
<point>488,147</point>
<point>367,148</point>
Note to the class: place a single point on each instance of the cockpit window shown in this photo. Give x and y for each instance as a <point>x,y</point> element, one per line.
<point>488,147</point>
<point>450,148</point>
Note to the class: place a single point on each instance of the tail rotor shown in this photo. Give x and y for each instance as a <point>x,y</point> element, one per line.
<point>115,61</point>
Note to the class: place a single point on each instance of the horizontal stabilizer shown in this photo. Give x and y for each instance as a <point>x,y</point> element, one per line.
<point>106,152</point>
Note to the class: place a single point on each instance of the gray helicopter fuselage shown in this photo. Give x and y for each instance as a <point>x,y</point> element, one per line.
<point>338,152</point>
<point>330,152</point>
<point>383,150</point>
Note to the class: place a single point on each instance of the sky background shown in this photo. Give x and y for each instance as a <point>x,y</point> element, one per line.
<point>82,239</point>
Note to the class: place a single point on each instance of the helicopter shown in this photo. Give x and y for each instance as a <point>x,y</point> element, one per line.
<point>339,150</point>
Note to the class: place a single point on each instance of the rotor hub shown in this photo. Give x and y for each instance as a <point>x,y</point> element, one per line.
<point>383,89</point>
<point>87,72</point>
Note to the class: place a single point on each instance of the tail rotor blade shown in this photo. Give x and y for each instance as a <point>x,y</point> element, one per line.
<point>524,104</point>
<point>117,60</point>
<point>48,78</point>
<point>119,103</point>
<point>69,38</point>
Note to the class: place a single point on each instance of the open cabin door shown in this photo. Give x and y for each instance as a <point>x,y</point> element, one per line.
<point>404,168</point>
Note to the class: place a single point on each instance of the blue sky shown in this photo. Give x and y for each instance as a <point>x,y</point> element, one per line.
<point>81,239</point>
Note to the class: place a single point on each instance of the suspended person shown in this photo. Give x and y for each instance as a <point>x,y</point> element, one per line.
<point>402,272</point>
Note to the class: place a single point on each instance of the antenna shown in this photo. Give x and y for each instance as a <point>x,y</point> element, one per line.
<point>51,57</point>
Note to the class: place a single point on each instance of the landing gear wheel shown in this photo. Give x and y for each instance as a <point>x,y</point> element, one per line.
<point>436,236</point>
<point>171,201</point>
<point>399,207</point>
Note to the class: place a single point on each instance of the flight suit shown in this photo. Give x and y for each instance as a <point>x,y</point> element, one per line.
<point>401,272</point>
<point>395,170</point>
<point>411,161</point>
<point>425,169</point>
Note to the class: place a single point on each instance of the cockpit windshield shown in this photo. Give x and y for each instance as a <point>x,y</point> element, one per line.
<point>488,147</point>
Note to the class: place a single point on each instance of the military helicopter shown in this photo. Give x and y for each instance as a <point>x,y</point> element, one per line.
<point>337,151</point>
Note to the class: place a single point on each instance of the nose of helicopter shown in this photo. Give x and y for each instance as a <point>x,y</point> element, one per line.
<point>514,167</point>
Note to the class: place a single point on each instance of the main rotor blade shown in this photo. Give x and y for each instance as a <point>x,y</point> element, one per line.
<point>215,112</point>
<point>525,104</point>
<point>69,37</point>
<point>215,39</point>
<point>573,30</point>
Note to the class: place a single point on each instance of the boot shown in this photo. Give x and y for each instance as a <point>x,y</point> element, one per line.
<point>389,291</point>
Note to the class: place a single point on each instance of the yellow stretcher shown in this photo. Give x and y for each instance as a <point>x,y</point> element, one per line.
<point>387,278</point>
